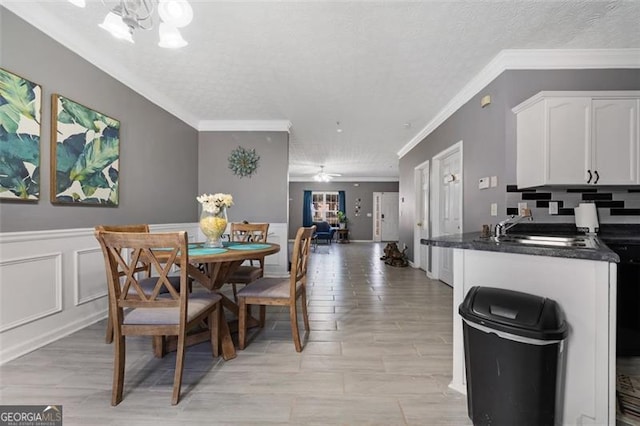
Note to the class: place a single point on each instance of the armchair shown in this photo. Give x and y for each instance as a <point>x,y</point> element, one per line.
<point>324,231</point>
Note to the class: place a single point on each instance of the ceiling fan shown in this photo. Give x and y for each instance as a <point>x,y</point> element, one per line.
<point>324,177</point>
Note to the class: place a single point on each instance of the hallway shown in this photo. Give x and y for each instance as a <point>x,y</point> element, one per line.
<point>379,352</point>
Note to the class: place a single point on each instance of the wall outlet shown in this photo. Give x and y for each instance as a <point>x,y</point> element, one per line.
<point>494,181</point>
<point>521,206</point>
<point>483,183</point>
<point>553,207</point>
<point>494,209</point>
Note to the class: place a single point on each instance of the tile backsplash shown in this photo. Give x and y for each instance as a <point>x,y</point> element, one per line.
<point>614,204</point>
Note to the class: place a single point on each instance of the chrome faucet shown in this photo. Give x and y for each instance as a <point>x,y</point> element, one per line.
<point>511,221</point>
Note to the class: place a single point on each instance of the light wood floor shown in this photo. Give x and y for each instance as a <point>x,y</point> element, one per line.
<point>379,352</point>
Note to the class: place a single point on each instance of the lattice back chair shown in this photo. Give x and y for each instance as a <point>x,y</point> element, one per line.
<point>279,292</point>
<point>245,274</point>
<point>149,283</point>
<point>166,310</point>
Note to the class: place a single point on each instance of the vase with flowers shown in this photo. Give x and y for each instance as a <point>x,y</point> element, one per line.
<point>213,219</point>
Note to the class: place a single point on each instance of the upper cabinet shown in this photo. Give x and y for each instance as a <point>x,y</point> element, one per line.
<point>578,138</point>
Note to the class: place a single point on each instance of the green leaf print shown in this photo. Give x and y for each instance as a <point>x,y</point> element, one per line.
<point>19,97</point>
<point>21,145</point>
<point>68,152</point>
<point>95,181</point>
<point>97,155</point>
<point>79,114</point>
<point>15,177</point>
<point>16,152</point>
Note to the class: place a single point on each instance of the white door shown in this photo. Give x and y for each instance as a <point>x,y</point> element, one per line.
<point>421,256</point>
<point>448,205</point>
<point>386,209</point>
<point>389,216</point>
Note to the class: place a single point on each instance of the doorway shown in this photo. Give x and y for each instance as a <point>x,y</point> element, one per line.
<point>421,179</point>
<point>446,204</point>
<point>386,214</point>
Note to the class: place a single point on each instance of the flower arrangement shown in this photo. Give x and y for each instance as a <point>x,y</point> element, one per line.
<point>213,220</point>
<point>213,203</point>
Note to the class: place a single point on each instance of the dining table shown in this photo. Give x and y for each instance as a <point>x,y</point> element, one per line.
<point>211,267</point>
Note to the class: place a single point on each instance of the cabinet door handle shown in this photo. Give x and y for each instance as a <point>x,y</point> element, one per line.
<point>597,177</point>
<point>590,176</point>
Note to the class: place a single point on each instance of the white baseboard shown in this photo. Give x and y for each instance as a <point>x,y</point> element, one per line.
<point>23,348</point>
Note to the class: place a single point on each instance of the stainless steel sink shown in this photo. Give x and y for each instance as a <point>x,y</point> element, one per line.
<point>547,240</point>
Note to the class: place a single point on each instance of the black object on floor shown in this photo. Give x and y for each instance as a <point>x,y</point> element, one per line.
<point>514,352</point>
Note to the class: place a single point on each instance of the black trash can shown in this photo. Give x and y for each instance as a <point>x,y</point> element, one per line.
<point>514,352</point>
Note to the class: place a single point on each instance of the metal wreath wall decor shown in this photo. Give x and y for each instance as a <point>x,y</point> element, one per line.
<point>243,162</point>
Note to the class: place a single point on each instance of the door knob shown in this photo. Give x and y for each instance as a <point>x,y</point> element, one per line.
<point>419,223</point>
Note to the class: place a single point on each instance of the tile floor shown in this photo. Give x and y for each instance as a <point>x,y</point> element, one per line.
<point>379,352</point>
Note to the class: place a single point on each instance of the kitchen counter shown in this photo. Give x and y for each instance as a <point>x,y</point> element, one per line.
<point>473,241</point>
<point>580,279</point>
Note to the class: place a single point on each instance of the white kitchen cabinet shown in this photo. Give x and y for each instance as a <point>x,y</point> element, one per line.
<point>578,138</point>
<point>615,141</point>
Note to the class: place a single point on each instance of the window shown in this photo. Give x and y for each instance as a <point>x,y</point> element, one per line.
<point>324,207</point>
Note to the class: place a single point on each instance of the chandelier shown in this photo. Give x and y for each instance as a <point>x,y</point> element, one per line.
<point>126,16</point>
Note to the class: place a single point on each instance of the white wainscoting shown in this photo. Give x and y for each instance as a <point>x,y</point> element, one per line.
<point>53,283</point>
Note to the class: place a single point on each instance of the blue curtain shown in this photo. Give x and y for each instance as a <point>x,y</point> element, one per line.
<point>307,220</point>
<point>342,203</point>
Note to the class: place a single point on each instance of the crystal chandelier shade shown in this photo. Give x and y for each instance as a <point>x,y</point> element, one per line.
<point>130,15</point>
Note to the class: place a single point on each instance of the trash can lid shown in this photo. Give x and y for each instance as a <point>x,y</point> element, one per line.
<point>514,312</point>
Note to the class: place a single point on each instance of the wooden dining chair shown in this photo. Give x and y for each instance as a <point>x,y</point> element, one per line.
<point>147,284</point>
<point>246,274</point>
<point>166,310</point>
<point>280,292</point>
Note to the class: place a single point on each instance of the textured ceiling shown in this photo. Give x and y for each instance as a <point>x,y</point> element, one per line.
<point>382,69</point>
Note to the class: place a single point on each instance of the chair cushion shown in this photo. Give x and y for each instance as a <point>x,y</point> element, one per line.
<point>198,303</point>
<point>148,284</point>
<point>268,287</point>
<point>245,274</point>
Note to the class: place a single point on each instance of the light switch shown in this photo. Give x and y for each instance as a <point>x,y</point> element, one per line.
<point>483,183</point>
<point>553,207</point>
<point>494,181</point>
<point>494,209</point>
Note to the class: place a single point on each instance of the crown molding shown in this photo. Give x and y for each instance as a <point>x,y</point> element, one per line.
<point>340,179</point>
<point>38,17</point>
<point>528,59</point>
<point>244,126</point>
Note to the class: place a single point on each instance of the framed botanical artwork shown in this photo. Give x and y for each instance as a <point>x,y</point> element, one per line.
<point>85,155</point>
<point>20,129</point>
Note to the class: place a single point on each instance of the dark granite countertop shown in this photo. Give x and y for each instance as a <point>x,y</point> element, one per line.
<point>473,241</point>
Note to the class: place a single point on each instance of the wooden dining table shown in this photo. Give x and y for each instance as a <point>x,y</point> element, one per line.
<point>212,267</point>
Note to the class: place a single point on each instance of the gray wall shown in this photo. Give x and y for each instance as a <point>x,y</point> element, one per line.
<point>360,227</point>
<point>263,197</point>
<point>158,180</point>
<point>489,140</point>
